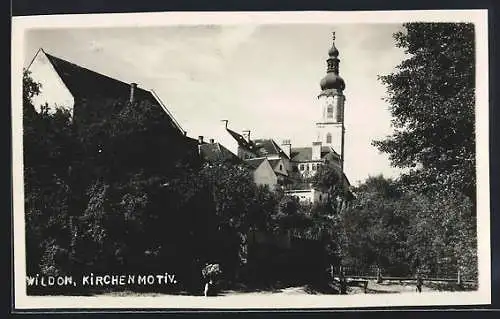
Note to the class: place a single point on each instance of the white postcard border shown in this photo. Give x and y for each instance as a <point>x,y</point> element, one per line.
<point>479,17</point>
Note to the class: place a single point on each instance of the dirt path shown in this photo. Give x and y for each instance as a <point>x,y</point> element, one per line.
<point>290,297</point>
<point>373,288</point>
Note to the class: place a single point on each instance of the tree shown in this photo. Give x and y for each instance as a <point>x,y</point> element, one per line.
<point>46,142</point>
<point>331,181</point>
<point>432,101</point>
<point>441,235</point>
<point>376,227</point>
<point>93,184</point>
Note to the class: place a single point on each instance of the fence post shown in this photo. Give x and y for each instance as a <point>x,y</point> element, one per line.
<point>459,278</point>
<point>379,275</point>
<point>343,282</point>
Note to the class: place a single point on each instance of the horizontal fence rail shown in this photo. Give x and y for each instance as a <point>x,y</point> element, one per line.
<point>373,273</point>
<point>467,281</point>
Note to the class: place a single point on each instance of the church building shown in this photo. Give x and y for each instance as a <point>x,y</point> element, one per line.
<point>297,165</point>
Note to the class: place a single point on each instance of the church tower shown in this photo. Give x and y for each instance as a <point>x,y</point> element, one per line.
<point>330,126</point>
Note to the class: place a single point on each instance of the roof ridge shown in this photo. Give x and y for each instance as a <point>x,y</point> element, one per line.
<point>159,100</point>
<point>34,57</point>
<point>89,70</point>
<point>255,158</point>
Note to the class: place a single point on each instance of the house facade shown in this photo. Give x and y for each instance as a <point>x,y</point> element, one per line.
<point>263,173</point>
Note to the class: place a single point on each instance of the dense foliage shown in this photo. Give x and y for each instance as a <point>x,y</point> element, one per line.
<point>432,100</point>
<point>121,190</point>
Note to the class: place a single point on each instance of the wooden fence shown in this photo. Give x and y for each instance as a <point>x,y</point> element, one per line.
<point>373,273</point>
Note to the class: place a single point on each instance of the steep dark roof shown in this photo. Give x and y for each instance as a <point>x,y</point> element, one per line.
<point>265,147</point>
<point>273,162</point>
<point>216,152</point>
<point>240,139</point>
<point>85,83</point>
<point>260,147</point>
<point>255,162</point>
<point>304,154</point>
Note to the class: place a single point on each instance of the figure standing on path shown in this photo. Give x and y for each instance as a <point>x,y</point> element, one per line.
<point>419,282</point>
<point>208,286</point>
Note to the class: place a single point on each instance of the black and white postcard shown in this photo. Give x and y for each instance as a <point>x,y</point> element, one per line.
<point>251,160</point>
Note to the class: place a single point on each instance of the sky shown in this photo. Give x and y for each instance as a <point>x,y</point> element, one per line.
<point>260,77</point>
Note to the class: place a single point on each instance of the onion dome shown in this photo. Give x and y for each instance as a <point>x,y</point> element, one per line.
<point>332,79</point>
<point>333,52</point>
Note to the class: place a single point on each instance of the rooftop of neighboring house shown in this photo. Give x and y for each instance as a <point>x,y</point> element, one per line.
<point>274,162</point>
<point>255,162</point>
<point>266,147</point>
<point>213,152</point>
<point>85,83</point>
<point>304,154</point>
<point>260,147</point>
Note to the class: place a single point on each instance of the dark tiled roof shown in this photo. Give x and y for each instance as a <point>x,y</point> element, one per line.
<point>301,154</point>
<point>274,162</point>
<point>260,147</point>
<point>255,162</point>
<point>240,139</point>
<point>304,154</point>
<point>216,152</point>
<point>266,147</point>
<point>85,83</point>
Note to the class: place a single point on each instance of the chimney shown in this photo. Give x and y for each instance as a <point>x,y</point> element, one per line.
<point>246,135</point>
<point>211,141</point>
<point>225,123</point>
<point>200,139</point>
<point>316,151</point>
<point>133,88</point>
<point>287,147</point>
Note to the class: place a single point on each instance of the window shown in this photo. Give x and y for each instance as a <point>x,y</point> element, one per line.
<point>314,167</point>
<point>281,167</point>
<point>328,138</point>
<point>301,167</point>
<point>329,111</point>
